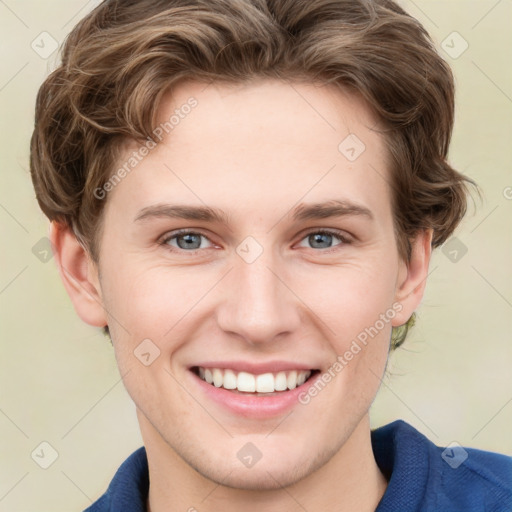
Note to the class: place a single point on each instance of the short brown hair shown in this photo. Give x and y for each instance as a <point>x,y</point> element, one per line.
<point>121,58</point>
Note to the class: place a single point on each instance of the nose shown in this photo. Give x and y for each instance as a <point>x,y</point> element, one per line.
<point>259,304</point>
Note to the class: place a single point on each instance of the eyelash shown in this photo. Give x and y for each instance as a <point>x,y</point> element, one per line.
<point>334,232</point>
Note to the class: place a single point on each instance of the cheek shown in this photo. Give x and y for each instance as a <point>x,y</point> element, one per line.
<point>150,302</point>
<point>351,299</point>
<point>360,317</point>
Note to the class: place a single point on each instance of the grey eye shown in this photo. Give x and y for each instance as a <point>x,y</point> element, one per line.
<point>322,239</point>
<point>189,241</point>
<point>186,241</point>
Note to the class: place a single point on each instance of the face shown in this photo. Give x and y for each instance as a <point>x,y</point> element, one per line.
<point>254,245</point>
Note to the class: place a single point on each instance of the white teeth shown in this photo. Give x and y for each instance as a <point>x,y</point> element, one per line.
<point>301,378</point>
<point>229,380</point>
<point>292,380</point>
<point>246,382</point>
<point>265,383</point>
<point>249,383</point>
<point>280,382</point>
<point>217,378</point>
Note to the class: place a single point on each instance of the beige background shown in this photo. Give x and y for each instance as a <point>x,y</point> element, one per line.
<point>58,378</point>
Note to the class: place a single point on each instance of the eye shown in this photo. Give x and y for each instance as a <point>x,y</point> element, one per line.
<point>185,240</point>
<point>190,241</point>
<point>323,238</point>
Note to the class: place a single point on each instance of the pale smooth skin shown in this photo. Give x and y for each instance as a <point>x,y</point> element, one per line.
<point>256,151</point>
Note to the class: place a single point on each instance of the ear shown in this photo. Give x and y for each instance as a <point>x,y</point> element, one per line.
<point>412,277</point>
<point>79,275</point>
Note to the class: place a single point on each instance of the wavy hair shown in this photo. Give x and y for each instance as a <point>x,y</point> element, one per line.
<point>120,60</point>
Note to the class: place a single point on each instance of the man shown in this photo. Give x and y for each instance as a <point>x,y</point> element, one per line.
<point>245,195</point>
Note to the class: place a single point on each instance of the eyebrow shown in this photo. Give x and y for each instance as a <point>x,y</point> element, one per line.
<point>186,212</point>
<point>304,211</point>
<point>334,208</point>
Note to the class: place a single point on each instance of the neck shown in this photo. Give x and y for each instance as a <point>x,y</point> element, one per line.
<point>350,480</point>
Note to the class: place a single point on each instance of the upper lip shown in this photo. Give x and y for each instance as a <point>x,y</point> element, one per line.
<point>256,368</point>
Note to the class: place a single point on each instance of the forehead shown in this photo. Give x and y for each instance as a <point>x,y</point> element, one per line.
<point>268,111</point>
<point>258,145</point>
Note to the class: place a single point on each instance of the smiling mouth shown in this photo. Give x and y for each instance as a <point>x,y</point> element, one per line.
<point>255,385</point>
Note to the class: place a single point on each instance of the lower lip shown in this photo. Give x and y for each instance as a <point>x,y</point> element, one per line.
<point>252,406</point>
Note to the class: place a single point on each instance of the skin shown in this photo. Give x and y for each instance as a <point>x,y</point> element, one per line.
<point>256,151</point>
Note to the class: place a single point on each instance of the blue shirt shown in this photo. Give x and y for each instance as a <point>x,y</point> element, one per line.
<point>422,477</point>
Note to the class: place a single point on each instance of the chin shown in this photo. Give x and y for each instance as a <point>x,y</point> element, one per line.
<point>270,474</point>
<point>257,479</point>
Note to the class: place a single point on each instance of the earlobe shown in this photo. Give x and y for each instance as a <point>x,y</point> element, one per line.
<point>78,274</point>
<point>412,279</point>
